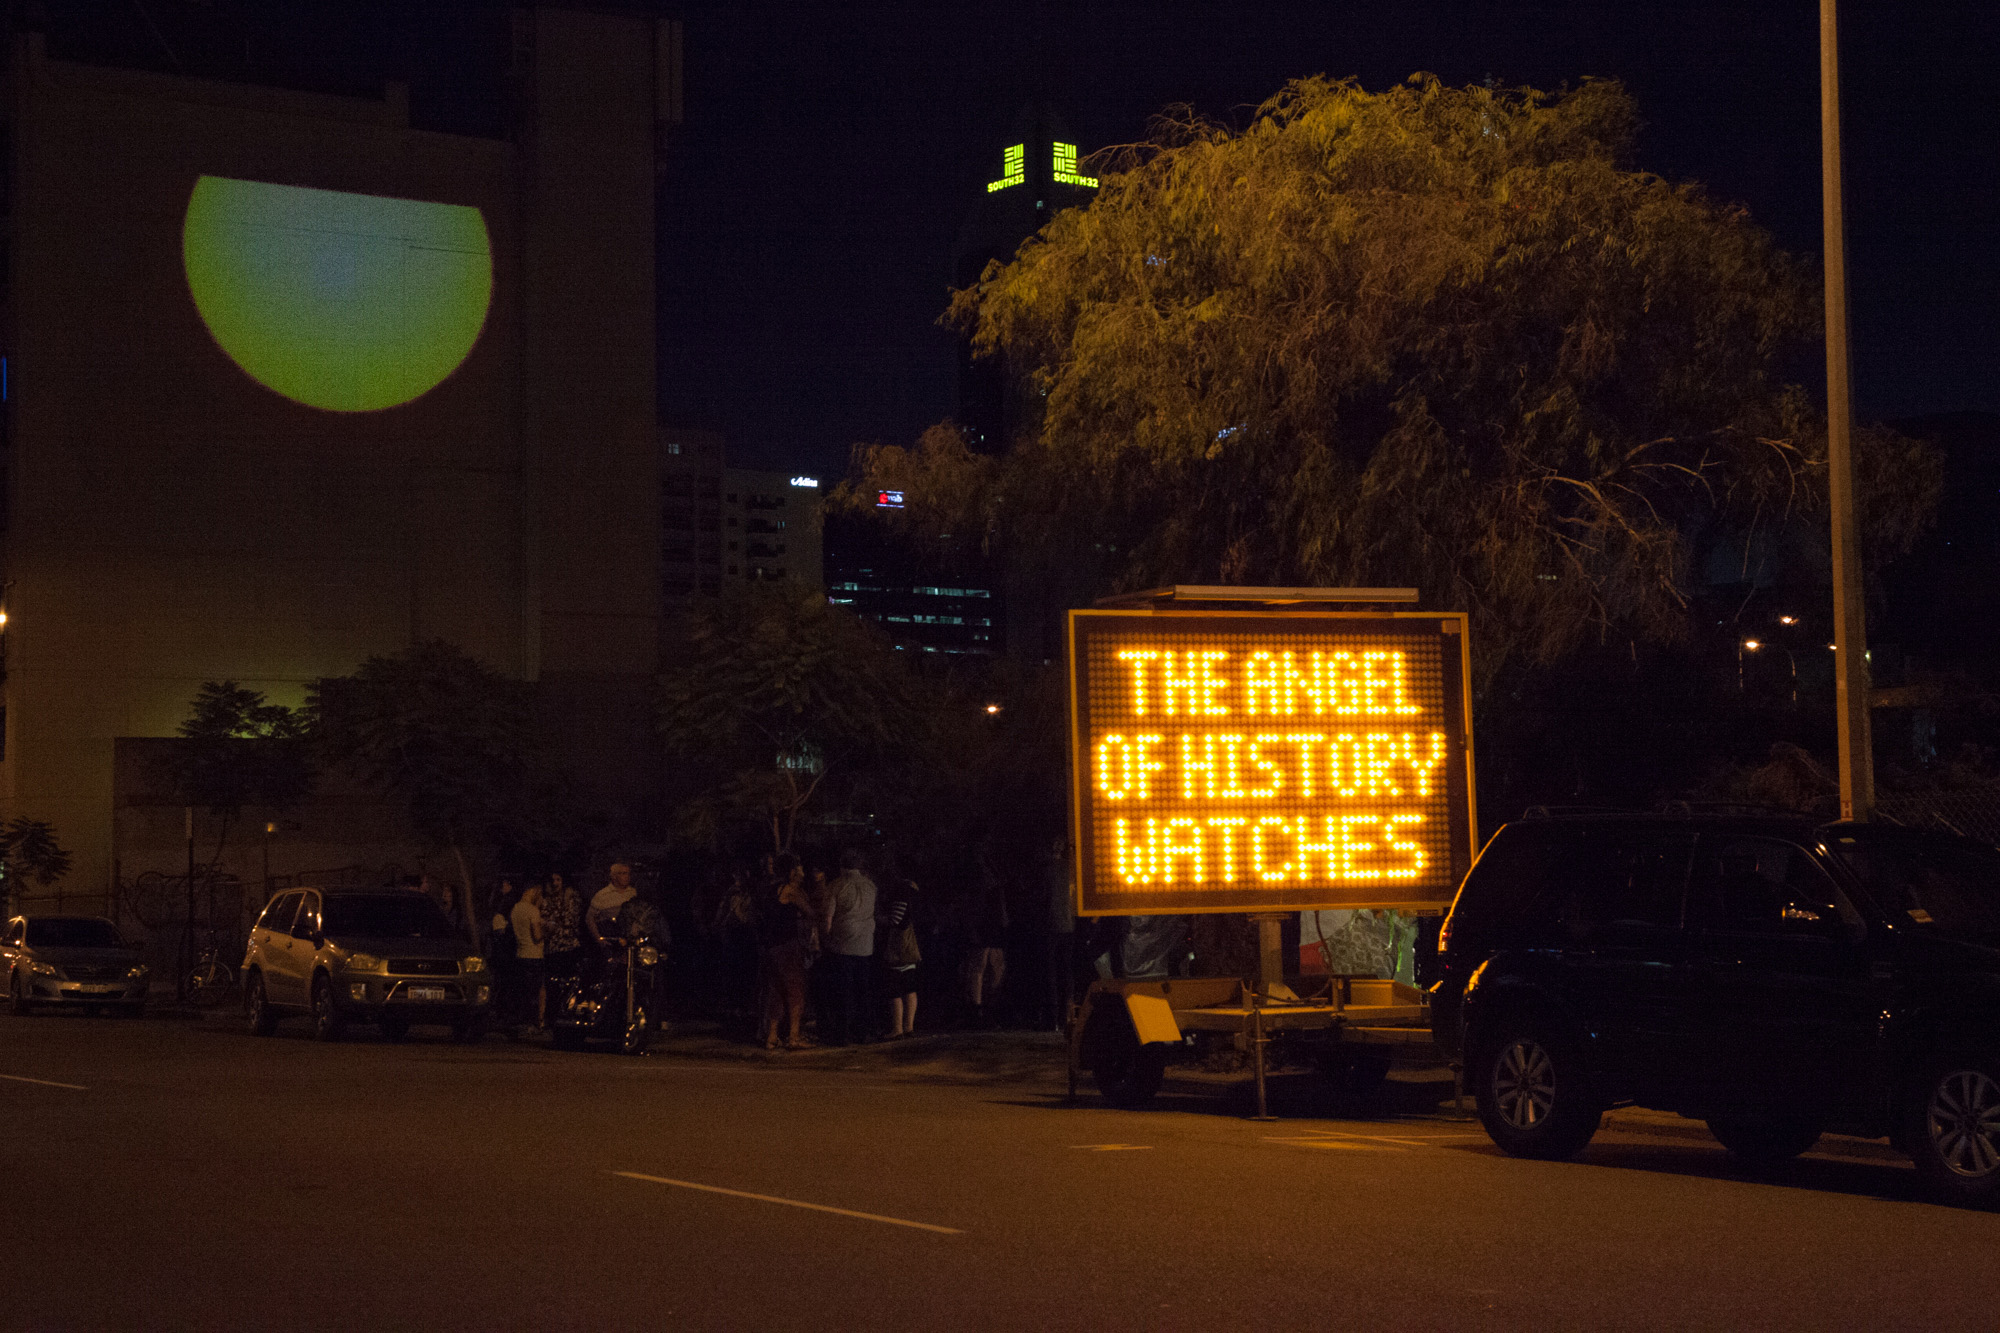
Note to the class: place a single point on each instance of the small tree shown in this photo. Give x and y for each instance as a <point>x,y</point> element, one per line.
<point>235,749</point>
<point>29,850</point>
<point>441,732</point>
<point>775,696</point>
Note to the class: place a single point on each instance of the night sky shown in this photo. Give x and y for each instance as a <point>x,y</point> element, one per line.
<point>811,203</point>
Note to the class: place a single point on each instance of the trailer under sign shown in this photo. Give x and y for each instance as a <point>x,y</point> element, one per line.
<point>1252,761</point>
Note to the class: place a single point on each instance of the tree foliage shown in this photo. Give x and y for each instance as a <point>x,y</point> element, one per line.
<point>450,738</point>
<point>774,700</point>
<point>236,748</point>
<point>29,851</point>
<point>1433,336</point>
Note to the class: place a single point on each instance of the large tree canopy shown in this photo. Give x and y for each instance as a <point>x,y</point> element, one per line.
<point>1432,336</point>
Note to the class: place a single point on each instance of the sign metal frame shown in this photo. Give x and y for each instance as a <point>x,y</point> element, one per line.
<point>1462,844</point>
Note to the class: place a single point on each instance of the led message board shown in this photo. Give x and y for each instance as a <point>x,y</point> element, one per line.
<point>346,302</point>
<point>1269,760</point>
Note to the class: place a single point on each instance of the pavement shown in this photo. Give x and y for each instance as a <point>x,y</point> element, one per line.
<point>183,1174</point>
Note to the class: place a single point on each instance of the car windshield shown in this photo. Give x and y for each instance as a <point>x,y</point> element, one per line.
<point>388,916</point>
<point>71,932</point>
<point>1952,886</point>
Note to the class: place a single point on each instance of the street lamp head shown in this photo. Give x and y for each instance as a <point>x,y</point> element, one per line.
<point>1752,644</point>
<point>992,708</point>
<point>1788,620</point>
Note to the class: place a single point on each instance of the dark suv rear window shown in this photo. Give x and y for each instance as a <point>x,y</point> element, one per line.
<point>1952,886</point>
<point>1574,879</point>
<point>388,916</point>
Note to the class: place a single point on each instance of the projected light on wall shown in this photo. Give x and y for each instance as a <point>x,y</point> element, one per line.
<point>347,302</point>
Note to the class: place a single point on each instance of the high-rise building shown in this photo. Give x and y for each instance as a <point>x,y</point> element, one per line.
<point>771,527</point>
<point>721,527</point>
<point>1035,176</point>
<point>690,517</point>
<point>927,601</point>
<point>291,381</point>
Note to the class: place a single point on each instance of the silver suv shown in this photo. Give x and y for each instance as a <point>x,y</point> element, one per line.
<point>386,956</point>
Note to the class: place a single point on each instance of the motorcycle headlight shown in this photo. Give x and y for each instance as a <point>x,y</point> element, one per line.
<point>363,962</point>
<point>138,970</point>
<point>472,964</point>
<point>45,969</point>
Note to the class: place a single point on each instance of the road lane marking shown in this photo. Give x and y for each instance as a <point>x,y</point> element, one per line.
<point>43,1082</point>
<point>791,1203</point>
<point>1337,1143</point>
<point>1111,1147</point>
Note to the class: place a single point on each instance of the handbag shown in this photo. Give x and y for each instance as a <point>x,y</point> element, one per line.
<point>900,948</point>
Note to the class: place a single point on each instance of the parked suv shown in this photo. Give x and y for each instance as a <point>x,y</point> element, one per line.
<point>69,961</point>
<point>387,956</point>
<point>1773,978</point>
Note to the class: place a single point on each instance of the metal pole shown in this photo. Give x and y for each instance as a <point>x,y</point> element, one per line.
<point>1850,634</point>
<point>1257,1040</point>
<point>187,926</point>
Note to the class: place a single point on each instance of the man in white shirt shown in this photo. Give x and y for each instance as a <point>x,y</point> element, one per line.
<point>526,919</point>
<point>606,902</point>
<point>850,944</point>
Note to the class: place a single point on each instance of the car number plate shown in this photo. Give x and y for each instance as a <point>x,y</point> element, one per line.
<point>97,990</point>
<point>425,992</point>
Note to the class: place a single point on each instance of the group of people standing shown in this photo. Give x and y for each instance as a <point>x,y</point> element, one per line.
<point>858,938</point>
<point>539,931</point>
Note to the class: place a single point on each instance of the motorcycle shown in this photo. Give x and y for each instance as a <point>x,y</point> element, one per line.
<point>612,998</point>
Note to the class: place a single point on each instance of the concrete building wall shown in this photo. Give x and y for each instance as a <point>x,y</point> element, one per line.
<point>171,521</point>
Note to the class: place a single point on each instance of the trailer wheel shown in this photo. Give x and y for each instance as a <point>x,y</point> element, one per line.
<point>1130,1076</point>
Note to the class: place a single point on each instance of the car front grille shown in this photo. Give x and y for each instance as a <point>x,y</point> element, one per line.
<point>424,967</point>
<point>112,972</point>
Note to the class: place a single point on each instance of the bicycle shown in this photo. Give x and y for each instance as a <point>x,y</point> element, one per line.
<point>211,978</point>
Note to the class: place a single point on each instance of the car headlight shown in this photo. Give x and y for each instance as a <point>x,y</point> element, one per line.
<point>45,969</point>
<point>138,970</point>
<point>364,962</point>
<point>472,964</point>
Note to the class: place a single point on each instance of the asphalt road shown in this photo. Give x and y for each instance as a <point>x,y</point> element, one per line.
<point>165,1174</point>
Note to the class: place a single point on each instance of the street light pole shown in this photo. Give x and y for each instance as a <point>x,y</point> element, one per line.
<point>1850,633</point>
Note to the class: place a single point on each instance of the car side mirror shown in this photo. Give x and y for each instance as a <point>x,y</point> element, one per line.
<point>317,940</point>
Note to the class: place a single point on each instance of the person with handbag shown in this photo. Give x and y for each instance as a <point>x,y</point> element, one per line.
<point>899,953</point>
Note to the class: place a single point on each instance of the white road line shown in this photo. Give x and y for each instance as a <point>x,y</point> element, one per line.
<point>43,1082</point>
<point>1347,1145</point>
<point>791,1203</point>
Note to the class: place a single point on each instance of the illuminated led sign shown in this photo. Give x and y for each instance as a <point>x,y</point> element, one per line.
<point>346,302</point>
<point>1269,761</point>
<point>1013,168</point>
<point>1065,167</point>
<point>810,483</point>
<point>888,499</point>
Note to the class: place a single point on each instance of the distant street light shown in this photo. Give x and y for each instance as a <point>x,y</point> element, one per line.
<point>993,708</point>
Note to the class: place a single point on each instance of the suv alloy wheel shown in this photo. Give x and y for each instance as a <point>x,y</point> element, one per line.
<point>1957,1138</point>
<point>257,1008</point>
<point>327,1024</point>
<point>1533,1099</point>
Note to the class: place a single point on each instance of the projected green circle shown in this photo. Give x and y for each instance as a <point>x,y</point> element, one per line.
<point>347,302</point>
